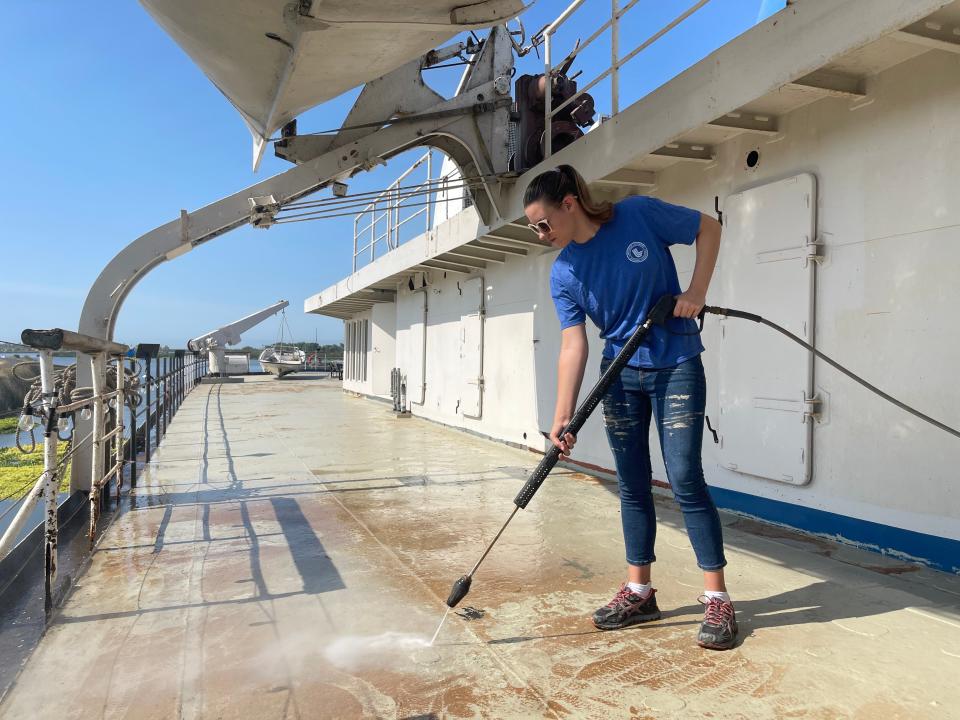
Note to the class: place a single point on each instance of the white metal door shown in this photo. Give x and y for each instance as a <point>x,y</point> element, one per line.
<point>471,348</point>
<point>417,351</point>
<point>766,381</point>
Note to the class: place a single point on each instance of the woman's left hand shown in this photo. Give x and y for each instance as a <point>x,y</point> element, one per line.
<point>689,304</point>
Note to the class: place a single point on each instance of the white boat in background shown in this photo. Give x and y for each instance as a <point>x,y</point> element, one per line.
<point>281,361</point>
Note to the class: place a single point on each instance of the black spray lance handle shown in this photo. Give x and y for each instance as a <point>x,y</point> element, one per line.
<point>658,315</point>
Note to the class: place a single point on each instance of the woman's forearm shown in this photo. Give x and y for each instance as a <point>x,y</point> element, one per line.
<point>570,367</point>
<point>708,248</point>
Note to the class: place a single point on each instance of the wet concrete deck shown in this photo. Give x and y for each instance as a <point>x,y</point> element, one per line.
<point>288,552</point>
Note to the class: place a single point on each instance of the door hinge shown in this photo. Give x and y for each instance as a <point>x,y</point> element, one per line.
<point>812,408</point>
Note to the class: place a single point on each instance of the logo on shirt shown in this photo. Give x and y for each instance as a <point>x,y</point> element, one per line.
<point>637,252</point>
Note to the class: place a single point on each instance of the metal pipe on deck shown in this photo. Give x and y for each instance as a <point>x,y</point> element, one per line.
<point>132,457</point>
<point>181,368</point>
<point>50,475</point>
<point>146,422</point>
<point>165,386</point>
<point>98,366</point>
<point>121,406</point>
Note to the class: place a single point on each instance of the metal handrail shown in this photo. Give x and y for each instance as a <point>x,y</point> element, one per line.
<point>113,449</point>
<point>616,62</point>
<point>387,206</point>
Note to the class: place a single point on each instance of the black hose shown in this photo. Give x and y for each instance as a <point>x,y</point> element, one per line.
<point>727,312</point>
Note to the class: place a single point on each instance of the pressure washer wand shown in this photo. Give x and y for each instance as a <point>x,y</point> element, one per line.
<point>661,311</point>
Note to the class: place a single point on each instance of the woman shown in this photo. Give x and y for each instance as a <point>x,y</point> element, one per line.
<point>614,264</point>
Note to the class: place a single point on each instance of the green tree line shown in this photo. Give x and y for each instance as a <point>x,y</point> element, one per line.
<point>333,352</point>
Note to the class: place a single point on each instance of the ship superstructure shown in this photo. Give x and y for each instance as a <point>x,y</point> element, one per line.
<point>825,137</point>
<point>281,549</point>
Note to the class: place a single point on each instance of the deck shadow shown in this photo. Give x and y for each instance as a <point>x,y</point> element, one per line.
<point>317,571</point>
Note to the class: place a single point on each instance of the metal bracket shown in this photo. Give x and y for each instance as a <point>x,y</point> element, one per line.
<point>185,244</point>
<point>813,253</point>
<point>296,18</point>
<point>263,211</point>
<point>808,408</point>
<point>471,127</point>
<point>812,411</point>
<point>807,252</point>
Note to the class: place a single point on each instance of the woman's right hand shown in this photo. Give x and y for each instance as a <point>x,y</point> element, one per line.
<point>565,443</point>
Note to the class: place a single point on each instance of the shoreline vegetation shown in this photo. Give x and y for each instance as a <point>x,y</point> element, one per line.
<point>20,471</point>
<point>332,351</point>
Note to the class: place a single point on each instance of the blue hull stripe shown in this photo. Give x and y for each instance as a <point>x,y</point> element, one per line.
<point>941,553</point>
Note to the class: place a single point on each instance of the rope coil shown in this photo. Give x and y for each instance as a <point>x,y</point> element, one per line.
<point>67,392</point>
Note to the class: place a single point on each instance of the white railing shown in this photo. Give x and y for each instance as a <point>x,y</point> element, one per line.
<point>379,224</point>
<point>618,8</point>
<point>399,205</point>
<point>49,410</point>
<point>115,390</point>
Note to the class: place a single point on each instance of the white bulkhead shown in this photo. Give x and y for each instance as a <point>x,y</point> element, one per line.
<point>842,224</point>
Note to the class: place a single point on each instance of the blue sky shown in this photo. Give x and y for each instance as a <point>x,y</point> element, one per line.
<point>111,129</point>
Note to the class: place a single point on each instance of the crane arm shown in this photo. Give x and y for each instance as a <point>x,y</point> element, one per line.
<point>230,334</point>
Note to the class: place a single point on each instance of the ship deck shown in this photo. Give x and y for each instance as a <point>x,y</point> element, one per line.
<point>288,550</point>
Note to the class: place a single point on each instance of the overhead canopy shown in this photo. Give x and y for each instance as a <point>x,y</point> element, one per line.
<point>274,59</point>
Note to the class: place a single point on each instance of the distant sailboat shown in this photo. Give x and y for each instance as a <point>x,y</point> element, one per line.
<point>280,359</point>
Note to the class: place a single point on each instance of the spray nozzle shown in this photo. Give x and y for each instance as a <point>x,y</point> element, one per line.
<point>460,589</point>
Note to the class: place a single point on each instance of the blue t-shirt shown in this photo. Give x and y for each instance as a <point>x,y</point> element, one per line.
<point>618,275</point>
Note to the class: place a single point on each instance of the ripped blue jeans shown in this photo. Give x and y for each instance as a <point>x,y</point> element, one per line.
<point>676,397</point>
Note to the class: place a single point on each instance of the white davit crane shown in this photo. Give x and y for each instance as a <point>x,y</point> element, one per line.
<point>215,343</point>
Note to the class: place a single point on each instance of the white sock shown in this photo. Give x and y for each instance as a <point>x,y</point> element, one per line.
<point>641,590</point>
<point>725,597</point>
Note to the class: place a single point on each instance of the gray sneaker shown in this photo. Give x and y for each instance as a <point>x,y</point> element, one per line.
<point>719,628</point>
<point>627,608</point>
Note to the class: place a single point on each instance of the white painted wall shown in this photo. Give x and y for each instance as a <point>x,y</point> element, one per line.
<point>888,180</point>
<point>889,177</point>
<point>383,347</point>
<point>509,395</point>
